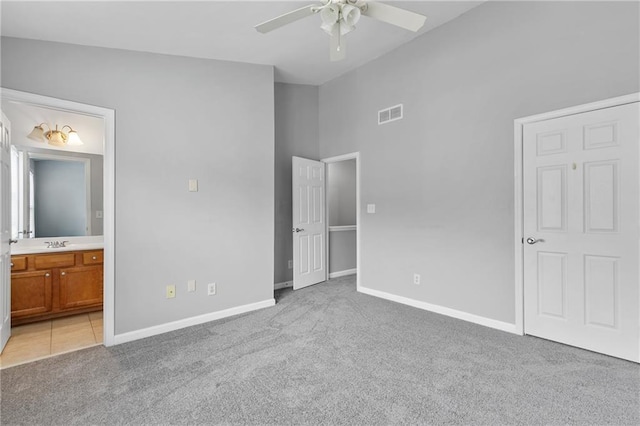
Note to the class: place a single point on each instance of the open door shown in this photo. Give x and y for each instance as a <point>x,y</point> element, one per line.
<point>309,224</point>
<point>5,232</point>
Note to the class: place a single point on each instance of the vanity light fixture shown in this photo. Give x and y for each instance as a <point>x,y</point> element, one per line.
<point>55,137</point>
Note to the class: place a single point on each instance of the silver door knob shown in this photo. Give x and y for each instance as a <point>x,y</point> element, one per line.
<point>533,240</point>
<point>298,229</point>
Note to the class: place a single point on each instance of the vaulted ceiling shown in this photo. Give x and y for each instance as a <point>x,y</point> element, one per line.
<point>219,30</point>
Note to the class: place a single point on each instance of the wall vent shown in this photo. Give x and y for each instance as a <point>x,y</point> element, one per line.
<point>390,114</point>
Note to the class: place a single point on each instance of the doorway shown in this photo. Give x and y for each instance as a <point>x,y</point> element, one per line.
<point>100,218</point>
<point>343,215</point>
<point>321,249</point>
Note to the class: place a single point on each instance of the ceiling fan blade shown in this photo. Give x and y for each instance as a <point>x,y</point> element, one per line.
<point>337,45</point>
<point>285,19</point>
<point>394,15</point>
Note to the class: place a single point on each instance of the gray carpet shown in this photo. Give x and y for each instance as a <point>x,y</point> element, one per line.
<point>326,355</point>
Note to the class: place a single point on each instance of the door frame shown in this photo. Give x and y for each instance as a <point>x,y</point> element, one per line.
<point>336,159</point>
<point>518,125</point>
<point>108,115</point>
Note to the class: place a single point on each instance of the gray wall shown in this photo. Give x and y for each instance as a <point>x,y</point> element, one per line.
<point>341,192</point>
<point>176,118</point>
<point>296,133</point>
<point>60,198</point>
<point>442,178</point>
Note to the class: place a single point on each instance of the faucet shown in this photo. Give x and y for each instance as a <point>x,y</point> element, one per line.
<point>56,244</point>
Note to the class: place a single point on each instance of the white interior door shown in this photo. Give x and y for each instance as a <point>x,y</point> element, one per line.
<point>5,232</point>
<point>309,225</point>
<point>581,220</point>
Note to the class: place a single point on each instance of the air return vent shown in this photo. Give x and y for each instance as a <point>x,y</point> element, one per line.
<point>390,114</point>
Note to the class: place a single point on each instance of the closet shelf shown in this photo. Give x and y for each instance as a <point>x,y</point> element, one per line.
<point>343,228</point>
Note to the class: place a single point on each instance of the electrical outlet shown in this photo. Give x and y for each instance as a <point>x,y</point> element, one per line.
<point>291,264</point>
<point>171,291</point>
<point>416,279</point>
<point>191,285</point>
<point>211,289</point>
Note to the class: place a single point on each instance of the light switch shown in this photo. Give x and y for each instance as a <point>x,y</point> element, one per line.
<point>191,285</point>
<point>371,208</point>
<point>193,185</point>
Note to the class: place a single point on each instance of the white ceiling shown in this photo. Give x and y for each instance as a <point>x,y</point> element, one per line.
<point>219,30</point>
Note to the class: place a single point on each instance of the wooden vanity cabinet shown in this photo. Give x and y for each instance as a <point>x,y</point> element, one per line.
<point>45,286</point>
<point>31,294</point>
<point>80,286</point>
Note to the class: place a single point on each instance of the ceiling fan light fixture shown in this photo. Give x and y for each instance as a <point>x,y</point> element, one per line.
<point>328,28</point>
<point>330,15</point>
<point>350,15</point>
<point>339,17</point>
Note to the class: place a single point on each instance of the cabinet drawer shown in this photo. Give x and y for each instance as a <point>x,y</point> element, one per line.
<point>55,260</point>
<point>92,257</point>
<point>18,263</point>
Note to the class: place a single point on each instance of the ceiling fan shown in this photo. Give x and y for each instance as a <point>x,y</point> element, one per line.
<point>339,17</point>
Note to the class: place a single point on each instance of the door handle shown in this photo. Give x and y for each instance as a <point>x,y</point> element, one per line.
<point>11,241</point>
<point>298,229</point>
<point>533,240</point>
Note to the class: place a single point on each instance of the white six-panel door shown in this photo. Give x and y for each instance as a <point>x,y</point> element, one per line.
<point>581,230</point>
<point>309,226</point>
<point>5,231</point>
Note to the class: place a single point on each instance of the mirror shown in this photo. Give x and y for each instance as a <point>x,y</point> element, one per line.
<point>55,194</point>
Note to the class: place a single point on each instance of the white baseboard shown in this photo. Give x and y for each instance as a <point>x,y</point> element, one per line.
<point>465,316</point>
<point>344,273</point>
<point>278,286</point>
<point>188,322</point>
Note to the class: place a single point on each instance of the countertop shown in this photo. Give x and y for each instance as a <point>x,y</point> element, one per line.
<point>17,250</point>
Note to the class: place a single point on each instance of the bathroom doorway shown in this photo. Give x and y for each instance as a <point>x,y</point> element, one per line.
<point>65,298</point>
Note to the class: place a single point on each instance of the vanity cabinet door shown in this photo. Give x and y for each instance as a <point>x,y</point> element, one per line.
<point>31,293</point>
<point>80,286</point>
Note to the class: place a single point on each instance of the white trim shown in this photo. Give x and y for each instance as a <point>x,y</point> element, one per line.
<point>108,115</point>
<point>188,322</point>
<point>344,273</point>
<point>518,132</point>
<point>465,316</point>
<point>343,228</point>
<point>285,284</point>
<point>335,159</point>
<point>579,109</point>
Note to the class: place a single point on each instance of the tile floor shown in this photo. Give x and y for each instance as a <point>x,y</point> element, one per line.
<point>39,340</point>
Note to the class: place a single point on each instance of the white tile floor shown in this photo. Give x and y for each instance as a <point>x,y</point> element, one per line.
<point>43,339</point>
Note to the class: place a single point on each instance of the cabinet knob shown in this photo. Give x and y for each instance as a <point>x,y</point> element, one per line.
<point>47,274</point>
<point>12,264</point>
<point>94,258</point>
<point>63,273</point>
